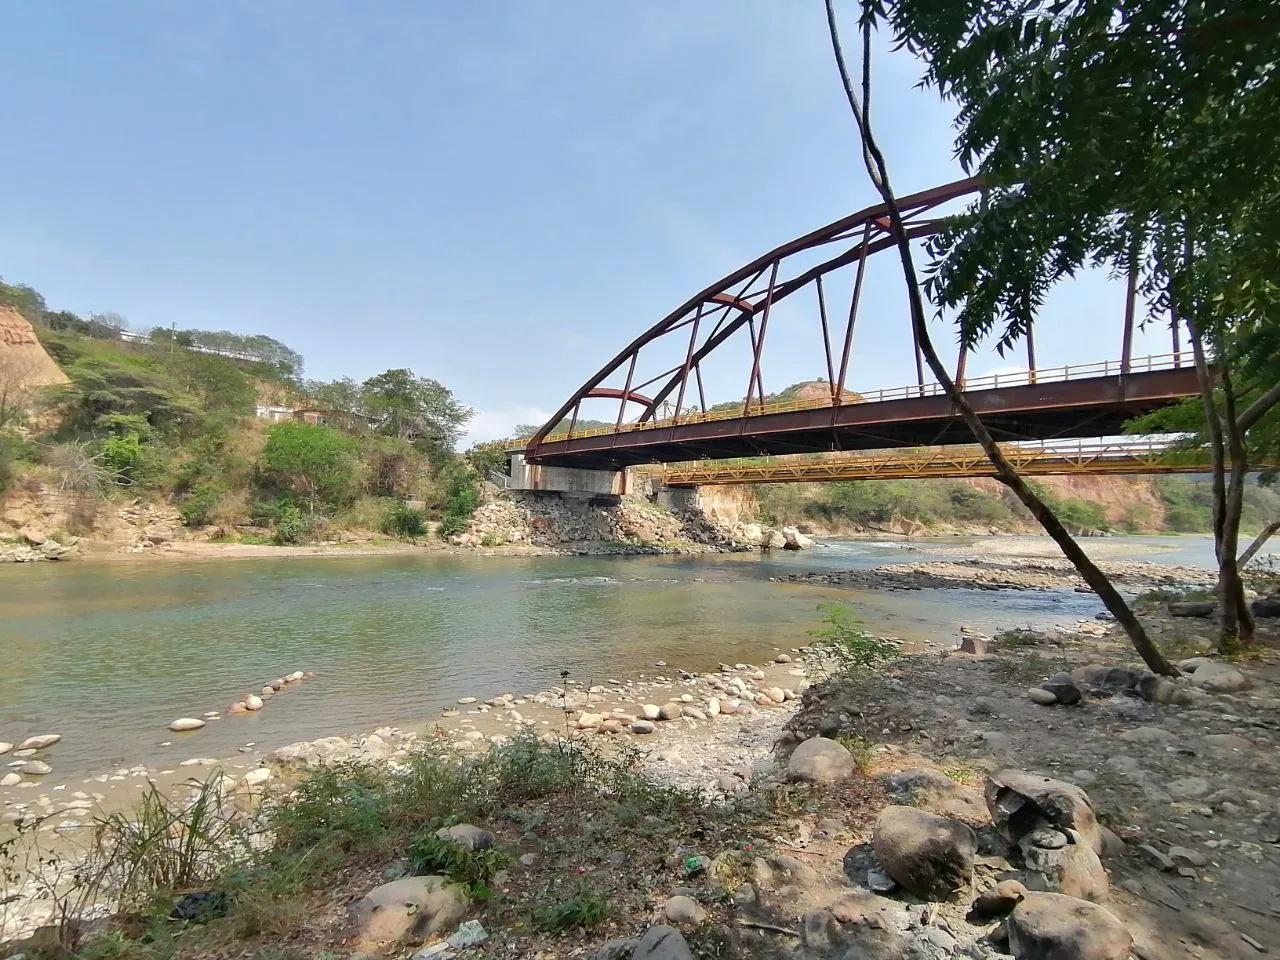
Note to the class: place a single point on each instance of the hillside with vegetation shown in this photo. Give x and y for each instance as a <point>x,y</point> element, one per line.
<point>205,422</point>
<point>1089,505</point>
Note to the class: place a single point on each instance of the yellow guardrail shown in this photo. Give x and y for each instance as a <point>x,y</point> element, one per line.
<point>1078,371</point>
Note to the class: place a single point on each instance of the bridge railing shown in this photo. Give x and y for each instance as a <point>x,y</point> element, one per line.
<point>993,381</point>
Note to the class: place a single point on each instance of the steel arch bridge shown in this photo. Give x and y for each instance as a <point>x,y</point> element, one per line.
<point>664,416</point>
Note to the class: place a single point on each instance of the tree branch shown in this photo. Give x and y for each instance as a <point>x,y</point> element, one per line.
<point>877,169</point>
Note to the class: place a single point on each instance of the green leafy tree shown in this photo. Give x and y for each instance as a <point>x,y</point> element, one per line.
<point>878,171</point>
<point>26,300</point>
<point>319,462</point>
<point>402,404</point>
<point>222,388</point>
<point>1136,135</point>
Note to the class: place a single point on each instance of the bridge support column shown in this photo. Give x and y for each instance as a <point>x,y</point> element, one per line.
<point>679,499</point>
<point>532,476</point>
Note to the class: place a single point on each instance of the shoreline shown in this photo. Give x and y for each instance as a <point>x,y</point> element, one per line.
<point>682,750</point>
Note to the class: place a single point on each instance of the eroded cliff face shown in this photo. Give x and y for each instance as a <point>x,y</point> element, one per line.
<point>728,505</point>
<point>1123,498</point>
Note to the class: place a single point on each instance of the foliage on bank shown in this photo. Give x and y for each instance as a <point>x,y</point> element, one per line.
<point>172,415</point>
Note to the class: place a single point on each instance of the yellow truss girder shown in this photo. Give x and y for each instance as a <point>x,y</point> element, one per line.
<point>1135,457</point>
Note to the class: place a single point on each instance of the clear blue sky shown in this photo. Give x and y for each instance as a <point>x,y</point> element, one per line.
<point>499,195</point>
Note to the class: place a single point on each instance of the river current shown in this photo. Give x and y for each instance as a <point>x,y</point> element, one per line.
<point>107,654</point>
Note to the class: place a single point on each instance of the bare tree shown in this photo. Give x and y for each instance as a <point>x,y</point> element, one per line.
<point>877,169</point>
<point>19,377</point>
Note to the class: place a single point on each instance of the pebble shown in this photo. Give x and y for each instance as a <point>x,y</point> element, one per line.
<point>186,723</point>
<point>651,711</point>
<point>643,726</point>
<point>36,768</point>
<point>5,747</point>
<point>253,702</point>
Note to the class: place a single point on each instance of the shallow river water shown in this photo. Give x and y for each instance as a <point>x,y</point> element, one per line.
<point>106,654</point>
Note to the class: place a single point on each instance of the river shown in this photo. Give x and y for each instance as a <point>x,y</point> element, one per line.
<point>107,653</point>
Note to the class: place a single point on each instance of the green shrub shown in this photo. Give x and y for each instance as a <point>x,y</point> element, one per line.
<point>292,527</point>
<point>404,522</point>
<point>474,869</point>
<point>197,509</point>
<point>843,639</point>
<point>463,499</point>
<point>12,450</point>
<point>582,911</point>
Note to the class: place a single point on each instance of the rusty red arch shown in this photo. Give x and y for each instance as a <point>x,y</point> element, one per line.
<point>737,300</point>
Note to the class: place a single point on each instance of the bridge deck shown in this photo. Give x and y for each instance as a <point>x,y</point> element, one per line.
<point>1089,407</point>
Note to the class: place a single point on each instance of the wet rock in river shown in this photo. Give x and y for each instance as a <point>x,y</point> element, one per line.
<point>36,768</point>
<point>186,723</point>
<point>40,742</point>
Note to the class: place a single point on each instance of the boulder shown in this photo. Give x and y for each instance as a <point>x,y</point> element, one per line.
<point>40,742</point>
<point>937,793</point>
<point>1063,689</point>
<point>1219,678</point>
<point>5,747</point>
<point>775,540</point>
<point>1265,607</point>
<point>661,943</point>
<point>1052,926</point>
<point>643,726</point>
<point>684,911</point>
<point>1020,802</point>
<point>35,768</point>
<point>819,760</point>
<point>1057,862</point>
<point>793,539</point>
<point>670,711</point>
<point>929,855</point>
<point>410,908</point>
<point>616,949</point>
<point>467,836</point>
<point>1099,678</point>
<point>650,711</point>
<point>10,779</point>
<point>252,702</point>
<point>1193,608</point>
<point>1041,696</point>
<point>186,723</point>
<point>979,646</point>
<point>997,902</point>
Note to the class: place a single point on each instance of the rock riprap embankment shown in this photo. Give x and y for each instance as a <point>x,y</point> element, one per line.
<point>629,524</point>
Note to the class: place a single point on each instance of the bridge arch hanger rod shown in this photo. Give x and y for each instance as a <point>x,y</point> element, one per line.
<point>736,307</point>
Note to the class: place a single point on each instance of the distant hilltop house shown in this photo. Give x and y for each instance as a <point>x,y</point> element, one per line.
<point>274,413</point>
<point>317,416</point>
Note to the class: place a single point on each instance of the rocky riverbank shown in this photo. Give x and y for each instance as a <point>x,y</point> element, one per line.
<point>931,809</point>
<point>575,525</point>
<point>1008,574</point>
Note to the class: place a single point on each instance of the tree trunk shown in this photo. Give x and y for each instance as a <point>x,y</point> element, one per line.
<point>1258,541</point>
<point>877,169</point>
<point>1237,621</point>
